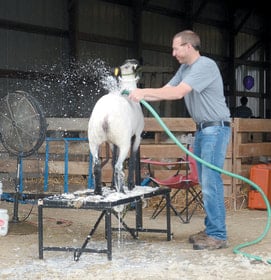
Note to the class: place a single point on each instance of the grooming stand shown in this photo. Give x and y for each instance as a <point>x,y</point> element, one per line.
<point>107,209</point>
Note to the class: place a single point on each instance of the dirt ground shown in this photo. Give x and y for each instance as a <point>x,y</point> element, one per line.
<point>148,257</point>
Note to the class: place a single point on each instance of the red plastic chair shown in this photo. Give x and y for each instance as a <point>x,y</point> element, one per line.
<point>179,182</point>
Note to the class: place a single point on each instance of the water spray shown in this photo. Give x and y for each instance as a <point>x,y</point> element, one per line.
<point>236,249</point>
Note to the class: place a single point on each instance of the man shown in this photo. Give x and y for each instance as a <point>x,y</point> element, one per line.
<point>243,111</point>
<point>199,82</point>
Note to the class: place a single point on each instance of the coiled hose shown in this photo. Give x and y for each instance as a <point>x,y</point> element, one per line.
<point>236,249</point>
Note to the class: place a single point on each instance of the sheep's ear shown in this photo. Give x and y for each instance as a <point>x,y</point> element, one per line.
<point>138,70</point>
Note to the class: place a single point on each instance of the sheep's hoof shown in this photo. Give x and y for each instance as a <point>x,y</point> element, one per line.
<point>113,188</point>
<point>98,192</point>
<point>131,187</point>
<point>122,191</point>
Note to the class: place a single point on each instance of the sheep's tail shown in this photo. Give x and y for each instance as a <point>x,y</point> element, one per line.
<point>105,125</point>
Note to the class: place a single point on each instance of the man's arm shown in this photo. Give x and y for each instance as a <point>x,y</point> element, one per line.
<point>164,93</point>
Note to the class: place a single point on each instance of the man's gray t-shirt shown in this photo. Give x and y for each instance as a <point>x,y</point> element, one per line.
<point>206,102</point>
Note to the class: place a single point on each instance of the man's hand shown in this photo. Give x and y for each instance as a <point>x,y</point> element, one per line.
<point>137,94</point>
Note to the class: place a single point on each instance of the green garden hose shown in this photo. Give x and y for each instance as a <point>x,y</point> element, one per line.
<point>237,249</point>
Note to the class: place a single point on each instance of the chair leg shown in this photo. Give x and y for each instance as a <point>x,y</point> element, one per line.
<point>185,210</point>
<point>186,213</point>
<point>188,216</point>
<point>185,221</point>
<point>158,210</point>
<point>196,198</point>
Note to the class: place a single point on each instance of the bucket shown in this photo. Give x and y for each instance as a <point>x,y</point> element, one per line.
<point>4,218</point>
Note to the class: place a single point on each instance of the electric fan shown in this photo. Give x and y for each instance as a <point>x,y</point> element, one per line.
<point>22,130</point>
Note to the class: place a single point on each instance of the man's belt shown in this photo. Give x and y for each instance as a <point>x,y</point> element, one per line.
<point>203,125</point>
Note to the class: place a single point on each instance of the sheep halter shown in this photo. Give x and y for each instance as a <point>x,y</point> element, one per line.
<point>130,80</point>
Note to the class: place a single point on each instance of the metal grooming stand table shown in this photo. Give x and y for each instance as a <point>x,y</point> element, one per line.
<point>107,209</point>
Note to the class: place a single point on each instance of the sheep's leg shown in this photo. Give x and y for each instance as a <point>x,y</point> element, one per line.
<point>131,167</point>
<point>97,175</point>
<point>131,171</point>
<point>119,178</point>
<point>118,169</point>
<point>114,160</point>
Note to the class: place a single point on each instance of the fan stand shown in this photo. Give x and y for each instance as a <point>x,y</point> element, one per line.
<point>17,227</point>
<point>15,218</point>
<point>22,119</point>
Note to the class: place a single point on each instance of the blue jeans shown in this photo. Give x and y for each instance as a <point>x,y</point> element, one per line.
<point>211,146</point>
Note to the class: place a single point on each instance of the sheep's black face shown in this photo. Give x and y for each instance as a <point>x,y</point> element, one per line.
<point>130,67</point>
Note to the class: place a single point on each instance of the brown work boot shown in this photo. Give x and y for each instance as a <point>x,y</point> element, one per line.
<point>197,236</point>
<point>210,243</point>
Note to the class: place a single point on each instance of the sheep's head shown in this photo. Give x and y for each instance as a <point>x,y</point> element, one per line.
<point>129,68</point>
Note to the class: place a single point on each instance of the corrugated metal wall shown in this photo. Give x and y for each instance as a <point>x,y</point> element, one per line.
<point>107,33</point>
<point>31,51</point>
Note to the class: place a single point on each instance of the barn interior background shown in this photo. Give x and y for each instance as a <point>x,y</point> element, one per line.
<point>61,51</point>
<point>46,47</point>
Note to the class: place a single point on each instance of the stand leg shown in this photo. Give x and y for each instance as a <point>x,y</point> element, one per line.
<point>131,231</point>
<point>139,219</point>
<point>78,252</point>
<point>108,234</point>
<point>168,216</point>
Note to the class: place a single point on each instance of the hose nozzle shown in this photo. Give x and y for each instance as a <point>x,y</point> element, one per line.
<point>125,92</point>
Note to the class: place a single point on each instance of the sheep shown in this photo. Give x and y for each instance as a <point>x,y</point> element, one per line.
<point>117,120</point>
